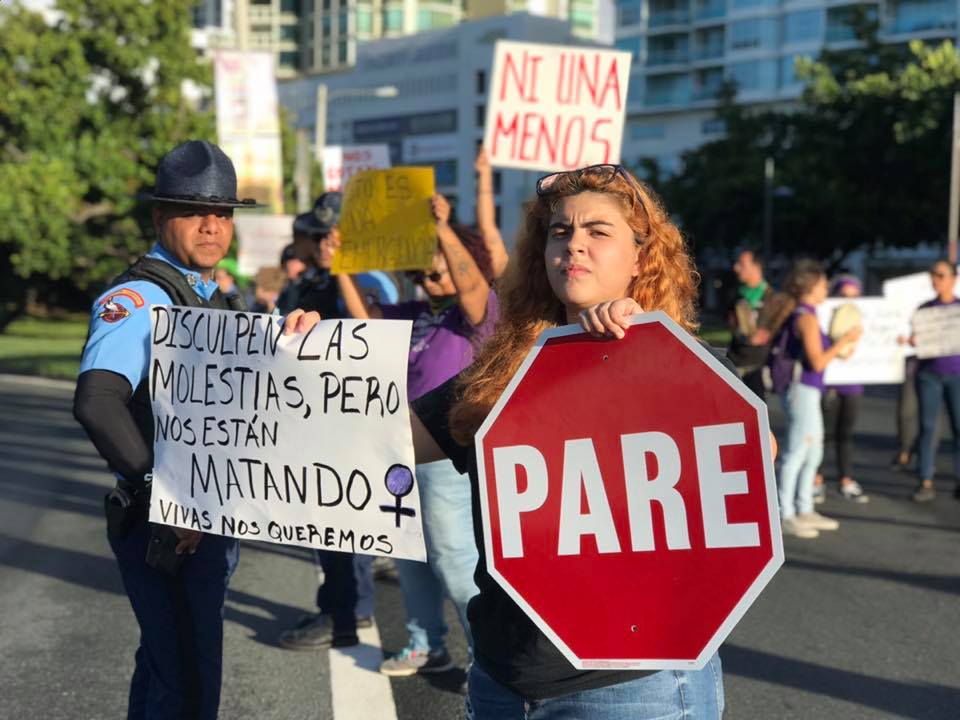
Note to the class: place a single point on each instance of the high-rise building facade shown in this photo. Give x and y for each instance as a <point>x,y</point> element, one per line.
<point>586,17</point>
<point>683,50</point>
<point>315,36</point>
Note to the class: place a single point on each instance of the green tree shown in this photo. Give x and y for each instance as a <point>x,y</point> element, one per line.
<point>865,156</point>
<point>89,102</point>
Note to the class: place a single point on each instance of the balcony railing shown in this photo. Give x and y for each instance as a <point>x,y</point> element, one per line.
<point>905,24</point>
<point>707,92</point>
<point>709,10</point>
<point>667,57</point>
<point>669,17</point>
<point>708,52</point>
<point>666,97</point>
<point>841,33</point>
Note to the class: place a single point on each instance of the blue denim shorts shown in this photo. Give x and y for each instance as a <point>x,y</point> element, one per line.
<point>666,695</point>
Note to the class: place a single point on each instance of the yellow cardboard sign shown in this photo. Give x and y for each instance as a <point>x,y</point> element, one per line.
<point>386,223</point>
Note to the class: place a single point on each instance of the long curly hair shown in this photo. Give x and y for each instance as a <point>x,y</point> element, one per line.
<point>667,281</point>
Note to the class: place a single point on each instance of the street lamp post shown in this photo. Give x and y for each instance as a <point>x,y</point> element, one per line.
<point>324,97</point>
<point>768,169</point>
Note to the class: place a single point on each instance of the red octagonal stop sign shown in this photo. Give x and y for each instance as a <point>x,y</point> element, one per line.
<point>628,496</point>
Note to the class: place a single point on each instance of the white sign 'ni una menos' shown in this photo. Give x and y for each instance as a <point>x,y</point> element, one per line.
<point>937,331</point>
<point>299,439</point>
<point>555,107</point>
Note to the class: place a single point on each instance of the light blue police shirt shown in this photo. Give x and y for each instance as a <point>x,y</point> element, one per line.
<point>119,339</point>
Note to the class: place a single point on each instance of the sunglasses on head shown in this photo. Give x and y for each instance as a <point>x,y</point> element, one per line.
<point>418,276</point>
<point>604,173</point>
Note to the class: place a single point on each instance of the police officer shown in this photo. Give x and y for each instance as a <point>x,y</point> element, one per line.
<point>177,589</point>
<point>315,238</point>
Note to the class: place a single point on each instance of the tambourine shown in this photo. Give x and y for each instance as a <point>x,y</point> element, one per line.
<point>845,318</point>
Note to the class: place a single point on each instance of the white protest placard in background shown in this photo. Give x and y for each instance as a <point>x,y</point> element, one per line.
<point>911,290</point>
<point>937,331</point>
<point>298,439</point>
<point>342,162</point>
<point>248,122</point>
<point>260,240</point>
<point>878,358</point>
<point>555,107</point>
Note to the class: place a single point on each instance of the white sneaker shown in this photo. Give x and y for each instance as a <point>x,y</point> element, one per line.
<point>790,526</point>
<point>817,521</point>
<point>854,493</point>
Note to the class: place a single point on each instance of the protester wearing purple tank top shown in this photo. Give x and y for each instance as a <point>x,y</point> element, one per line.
<point>938,379</point>
<point>448,328</point>
<point>803,452</point>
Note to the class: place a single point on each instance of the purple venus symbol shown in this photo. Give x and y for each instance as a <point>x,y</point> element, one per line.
<point>399,482</point>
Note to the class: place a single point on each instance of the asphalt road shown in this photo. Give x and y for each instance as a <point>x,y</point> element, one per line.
<point>861,623</point>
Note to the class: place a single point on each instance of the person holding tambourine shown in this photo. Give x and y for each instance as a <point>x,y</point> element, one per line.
<point>840,402</point>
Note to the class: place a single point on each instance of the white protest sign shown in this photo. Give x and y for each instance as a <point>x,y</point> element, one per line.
<point>555,107</point>
<point>342,162</point>
<point>298,439</point>
<point>937,331</point>
<point>260,240</point>
<point>877,359</point>
<point>910,292</point>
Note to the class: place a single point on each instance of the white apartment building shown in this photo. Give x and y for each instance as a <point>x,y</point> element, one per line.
<point>684,49</point>
<point>438,117</point>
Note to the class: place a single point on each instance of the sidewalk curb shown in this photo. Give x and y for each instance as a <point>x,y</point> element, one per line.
<point>38,381</point>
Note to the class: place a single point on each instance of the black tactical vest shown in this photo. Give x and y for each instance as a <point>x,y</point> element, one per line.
<point>173,283</point>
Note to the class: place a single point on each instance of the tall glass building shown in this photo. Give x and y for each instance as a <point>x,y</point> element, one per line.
<point>683,50</point>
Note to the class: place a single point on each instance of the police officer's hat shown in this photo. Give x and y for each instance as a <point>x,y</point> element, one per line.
<point>197,172</point>
<point>323,218</point>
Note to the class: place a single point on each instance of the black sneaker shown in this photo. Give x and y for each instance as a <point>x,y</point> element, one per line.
<point>314,632</point>
<point>956,491</point>
<point>901,461</point>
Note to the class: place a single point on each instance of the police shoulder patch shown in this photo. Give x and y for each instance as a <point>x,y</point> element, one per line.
<point>112,311</point>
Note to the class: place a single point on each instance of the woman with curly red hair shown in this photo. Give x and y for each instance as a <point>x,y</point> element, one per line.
<point>597,247</point>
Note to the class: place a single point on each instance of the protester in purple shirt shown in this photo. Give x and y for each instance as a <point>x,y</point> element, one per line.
<point>807,285</point>
<point>938,379</point>
<point>448,327</point>
<point>840,404</point>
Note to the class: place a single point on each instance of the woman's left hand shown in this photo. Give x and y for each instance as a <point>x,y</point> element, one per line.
<point>609,318</point>
<point>300,321</point>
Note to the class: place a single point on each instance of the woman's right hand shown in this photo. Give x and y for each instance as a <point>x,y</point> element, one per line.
<point>609,318</point>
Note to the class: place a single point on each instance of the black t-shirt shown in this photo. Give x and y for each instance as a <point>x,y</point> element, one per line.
<point>506,643</point>
<point>314,290</point>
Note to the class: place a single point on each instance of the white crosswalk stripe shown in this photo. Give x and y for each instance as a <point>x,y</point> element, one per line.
<point>360,692</point>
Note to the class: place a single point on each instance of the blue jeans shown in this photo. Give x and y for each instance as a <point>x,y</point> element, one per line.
<point>666,695</point>
<point>451,557</point>
<point>932,387</point>
<point>804,449</point>
<point>178,664</point>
